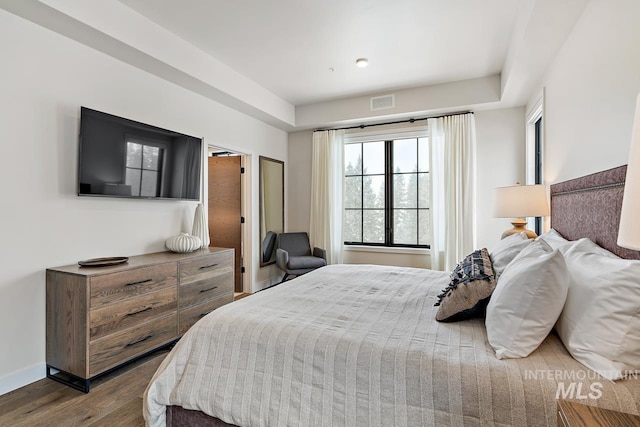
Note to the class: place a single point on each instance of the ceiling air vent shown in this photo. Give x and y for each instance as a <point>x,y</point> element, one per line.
<point>383,102</point>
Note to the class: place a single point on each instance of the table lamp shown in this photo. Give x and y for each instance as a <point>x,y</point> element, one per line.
<point>520,201</point>
<point>629,230</point>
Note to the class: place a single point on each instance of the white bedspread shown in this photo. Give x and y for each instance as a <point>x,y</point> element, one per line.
<point>351,345</point>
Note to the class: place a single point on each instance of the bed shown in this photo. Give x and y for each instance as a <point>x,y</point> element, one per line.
<point>359,346</point>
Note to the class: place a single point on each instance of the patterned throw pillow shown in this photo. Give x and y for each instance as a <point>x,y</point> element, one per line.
<point>472,283</point>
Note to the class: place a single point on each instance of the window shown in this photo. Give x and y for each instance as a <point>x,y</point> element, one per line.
<point>143,169</point>
<point>538,166</point>
<point>386,198</point>
<point>534,153</point>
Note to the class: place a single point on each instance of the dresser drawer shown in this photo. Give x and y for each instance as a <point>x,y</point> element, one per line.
<point>117,348</point>
<point>203,290</point>
<point>115,317</point>
<point>109,288</point>
<point>209,266</point>
<point>191,315</point>
<point>101,318</point>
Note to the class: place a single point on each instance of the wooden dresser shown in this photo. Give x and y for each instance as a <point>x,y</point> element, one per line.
<point>99,318</point>
<point>571,414</point>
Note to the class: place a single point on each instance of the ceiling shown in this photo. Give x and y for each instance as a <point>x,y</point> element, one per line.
<point>291,63</point>
<point>290,47</point>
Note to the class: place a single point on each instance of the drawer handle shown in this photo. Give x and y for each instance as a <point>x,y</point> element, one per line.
<point>139,311</point>
<point>139,282</point>
<point>204,267</point>
<point>139,341</point>
<point>208,289</point>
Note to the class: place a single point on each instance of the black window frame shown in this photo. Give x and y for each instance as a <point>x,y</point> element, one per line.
<point>388,196</point>
<point>538,166</point>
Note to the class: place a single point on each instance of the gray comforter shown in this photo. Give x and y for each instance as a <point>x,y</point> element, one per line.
<point>351,345</point>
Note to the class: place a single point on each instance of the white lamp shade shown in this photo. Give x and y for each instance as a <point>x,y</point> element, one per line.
<point>521,201</point>
<point>629,231</point>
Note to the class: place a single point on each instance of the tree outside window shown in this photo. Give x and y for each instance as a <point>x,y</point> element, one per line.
<point>387,193</point>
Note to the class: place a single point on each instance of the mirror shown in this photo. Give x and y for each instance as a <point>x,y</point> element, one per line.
<point>271,207</point>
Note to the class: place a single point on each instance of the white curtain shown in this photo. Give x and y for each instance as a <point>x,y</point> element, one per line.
<point>327,176</point>
<point>452,142</point>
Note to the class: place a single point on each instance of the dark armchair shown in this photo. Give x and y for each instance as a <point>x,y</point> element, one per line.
<point>268,243</point>
<point>294,255</point>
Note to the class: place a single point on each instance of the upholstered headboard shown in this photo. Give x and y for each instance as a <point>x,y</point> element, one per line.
<point>590,207</point>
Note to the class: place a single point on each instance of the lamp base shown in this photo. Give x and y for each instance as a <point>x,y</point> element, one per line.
<point>519,227</point>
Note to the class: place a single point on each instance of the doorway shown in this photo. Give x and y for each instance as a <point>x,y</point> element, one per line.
<point>225,206</point>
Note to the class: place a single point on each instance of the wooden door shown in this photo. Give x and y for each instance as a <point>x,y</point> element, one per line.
<point>225,208</point>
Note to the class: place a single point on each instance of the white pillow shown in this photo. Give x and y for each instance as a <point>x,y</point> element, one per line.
<point>527,301</point>
<point>506,250</point>
<point>600,322</point>
<point>553,238</point>
<point>587,245</point>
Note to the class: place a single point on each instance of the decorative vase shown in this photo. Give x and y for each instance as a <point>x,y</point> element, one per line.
<point>200,226</point>
<point>183,243</point>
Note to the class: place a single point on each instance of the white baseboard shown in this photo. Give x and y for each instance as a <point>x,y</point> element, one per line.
<point>22,378</point>
<point>258,286</point>
<point>26,376</point>
<point>267,283</point>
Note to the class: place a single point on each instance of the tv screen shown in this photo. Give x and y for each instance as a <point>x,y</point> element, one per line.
<point>124,158</point>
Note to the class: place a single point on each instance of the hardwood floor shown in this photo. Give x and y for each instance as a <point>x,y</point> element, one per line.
<point>239,295</point>
<point>114,400</point>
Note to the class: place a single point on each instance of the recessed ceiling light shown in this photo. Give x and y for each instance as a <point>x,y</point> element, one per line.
<point>362,62</point>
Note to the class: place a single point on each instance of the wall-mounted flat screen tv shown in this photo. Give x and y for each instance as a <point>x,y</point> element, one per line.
<point>123,158</point>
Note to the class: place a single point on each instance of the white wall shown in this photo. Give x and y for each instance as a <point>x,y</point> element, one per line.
<point>419,101</point>
<point>299,178</point>
<point>402,258</point>
<point>590,92</point>
<point>500,154</point>
<point>45,78</point>
<point>500,136</point>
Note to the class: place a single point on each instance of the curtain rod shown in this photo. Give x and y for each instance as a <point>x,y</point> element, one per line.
<point>396,122</point>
